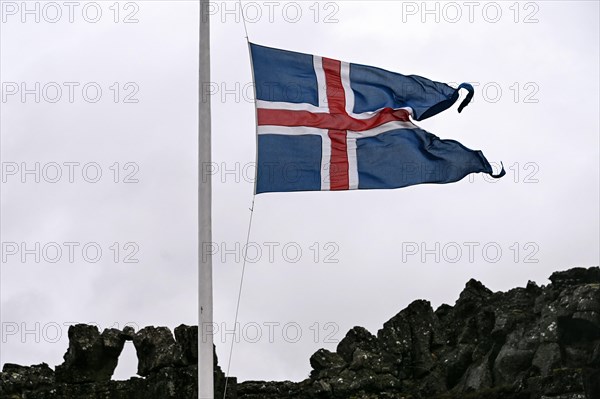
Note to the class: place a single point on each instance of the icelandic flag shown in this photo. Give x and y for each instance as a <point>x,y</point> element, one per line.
<point>325,124</point>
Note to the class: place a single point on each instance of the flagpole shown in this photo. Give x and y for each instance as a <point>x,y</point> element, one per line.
<point>205,308</point>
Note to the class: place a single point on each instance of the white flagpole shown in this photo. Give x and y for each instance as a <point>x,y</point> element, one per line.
<point>205,337</point>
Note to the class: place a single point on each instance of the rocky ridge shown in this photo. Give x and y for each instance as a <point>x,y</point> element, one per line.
<point>527,343</point>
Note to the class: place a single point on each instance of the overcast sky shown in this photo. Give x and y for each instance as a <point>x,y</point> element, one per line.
<point>118,96</point>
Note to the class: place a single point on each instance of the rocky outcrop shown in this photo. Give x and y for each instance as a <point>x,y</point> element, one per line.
<point>91,357</point>
<point>527,343</point>
<point>167,364</point>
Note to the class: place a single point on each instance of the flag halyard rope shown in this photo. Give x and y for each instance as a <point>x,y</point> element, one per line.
<point>245,250</point>
<point>237,308</point>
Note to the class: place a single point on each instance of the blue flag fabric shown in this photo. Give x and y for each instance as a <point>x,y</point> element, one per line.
<point>324,124</point>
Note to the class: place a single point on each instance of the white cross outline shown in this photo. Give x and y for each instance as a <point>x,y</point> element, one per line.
<point>323,107</point>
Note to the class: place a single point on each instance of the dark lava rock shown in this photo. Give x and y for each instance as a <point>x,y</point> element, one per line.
<point>156,348</point>
<point>187,339</point>
<point>15,378</point>
<point>576,276</point>
<point>527,343</point>
<point>324,360</point>
<point>91,357</point>
<point>355,339</point>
